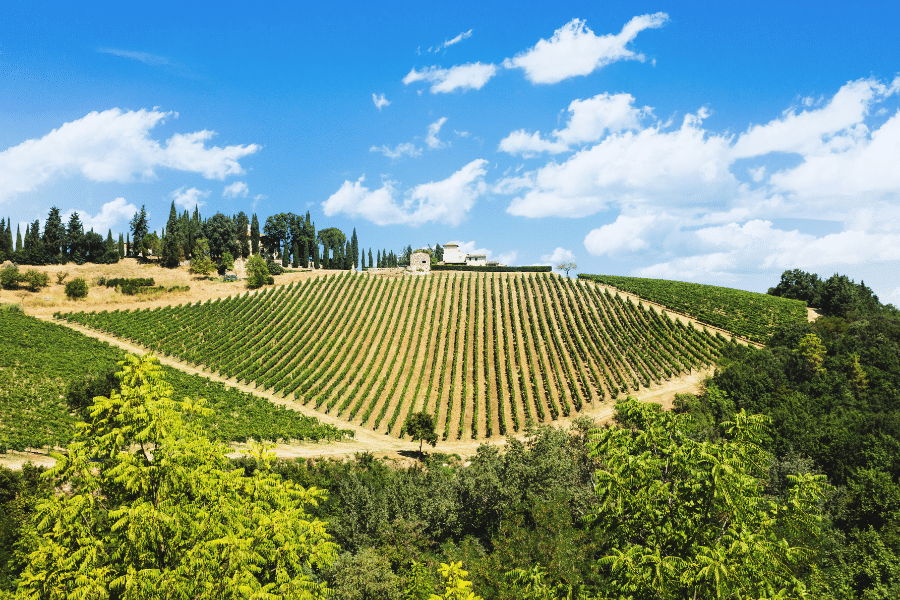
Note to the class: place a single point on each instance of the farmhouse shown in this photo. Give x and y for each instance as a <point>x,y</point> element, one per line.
<point>454,256</point>
<point>420,262</point>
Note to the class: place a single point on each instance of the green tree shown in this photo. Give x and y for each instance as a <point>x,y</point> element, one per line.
<point>121,247</point>
<point>370,258</point>
<point>354,249</point>
<point>799,285</point>
<point>420,427</point>
<point>152,505</point>
<point>334,237</point>
<point>219,231</point>
<point>811,354</point>
<point>242,226</point>
<point>77,288</point>
<point>202,264</point>
<point>54,236</point>
<point>566,266</point>
<point>171,249</point>
<point>687,519</point>
<point>296,255</point>
<point>18,238</point>
<point>139,228</point>
<point>254,235</point>
<point>257,272</point>
<point>439,252</point>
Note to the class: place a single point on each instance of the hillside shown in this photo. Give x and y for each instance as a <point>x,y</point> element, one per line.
<point>748,314</point>
<point>484,352</point>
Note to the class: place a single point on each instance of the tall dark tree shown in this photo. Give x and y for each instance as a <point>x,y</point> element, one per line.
<point>18,239</point>
<point>350,256</point>
<point>121,247</point>
<point>140,226</point>
<point>171,248</point>
<point>285,253</point>
<point>254,235</point>
<point>5,246</point>
<point>326,263</point>
<point>242,224</point>
<point>354,249</point>
<point>439,253</point>
<point>112,253</point>
<point>129,249</point>
<point>370,258</point>
<point>296,255</point>
<point>315,250</point>
<point>277,230</point>
<point>54,236</point>
<point>378,262</point>
<point>75,248</point>
<point>94,247</point>
<point>219,231</point>
<point>8,238</point>
<point>334,236</point>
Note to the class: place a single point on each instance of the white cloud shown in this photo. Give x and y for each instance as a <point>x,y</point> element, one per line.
<point>685,165</point>
<point>432,138</point>
<point>691,268</point>
<point>112,214</point>
<point>574,50</point>
<point>462,36</point>
<point>622,234</point>
<point>508,258</point>
<point>406,148</point>
<point>471,76</point>
<point>805,132</point>
<point>559,255</point>
<point>238,188</point>
<point>446,201</point>
<point>113,145</point>
<point>145,57</point>
<point>590,119</point>
<point>380,101</point>
<point>188,199</point>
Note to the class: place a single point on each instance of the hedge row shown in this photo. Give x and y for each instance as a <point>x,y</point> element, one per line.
<point>479,269</point>
<point>123,281</point>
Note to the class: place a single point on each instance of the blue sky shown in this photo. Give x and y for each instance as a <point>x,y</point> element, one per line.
<point>688,140</point>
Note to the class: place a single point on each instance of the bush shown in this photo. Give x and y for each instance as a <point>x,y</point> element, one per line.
<point>9,277</point>
<point>61,277</point>
<point>274,268</point>
<point>77,288</point>
<point>11,307</point>
<point>257,272</point>
<point>34,280</point>
<point>226,263</point>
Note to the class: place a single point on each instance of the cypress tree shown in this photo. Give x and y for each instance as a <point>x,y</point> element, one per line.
<point>128,251</point>
<point>285,253</point>
<point>4,247</point>
<point>18,239</point>
<point>296,261</point>
<point>243,224</point>
<point>111,255</point>
<point>378,259</point>
<point>315,249</point>
<point>9,237</point>
<point>54,236</point>
<point>370,257</point>
<point>349,256</point>
<point>170,240</point>
<point>325,262</point>
<point>121,247</point>
<point>254,235</point>
<point>354,248</point>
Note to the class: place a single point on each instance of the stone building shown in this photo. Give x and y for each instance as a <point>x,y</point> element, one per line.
<point>420,261</point>
<point>454,256</point>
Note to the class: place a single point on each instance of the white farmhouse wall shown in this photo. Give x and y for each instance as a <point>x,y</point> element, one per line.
<point>453,255</point>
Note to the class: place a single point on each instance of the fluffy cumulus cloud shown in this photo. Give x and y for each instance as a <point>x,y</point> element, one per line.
<point>589,121</point>
<point>380,101</point>
<point>470,76</point>
<point>112,214</point>
<point>187,199</point>
<point>652,164</point>
<point>114,145</point>
<point>238,188</point>
<point>575,50</point>
<point>626,233</point>
<point>446,201</point>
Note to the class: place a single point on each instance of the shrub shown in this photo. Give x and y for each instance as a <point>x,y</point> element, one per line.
<point>9,277</point>
<point>61,277</point>
<point>257,273</point>
<point>486,269</point>
<point>226,263</point>
<point>11,307</point>
<point>35,280</point>
<point>77,288</point>
<point>274,268</point>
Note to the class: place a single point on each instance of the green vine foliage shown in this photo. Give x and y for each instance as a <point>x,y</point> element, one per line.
<point>687,519</point>
<point>153,508</point>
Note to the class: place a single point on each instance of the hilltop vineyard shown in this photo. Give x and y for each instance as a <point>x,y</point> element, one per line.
<point>484,352</point>
<point>754,316</point>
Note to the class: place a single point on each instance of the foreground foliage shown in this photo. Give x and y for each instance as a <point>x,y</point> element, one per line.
<point>153,508</point>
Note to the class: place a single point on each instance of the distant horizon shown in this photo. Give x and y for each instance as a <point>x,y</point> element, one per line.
<point>704,143</point>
